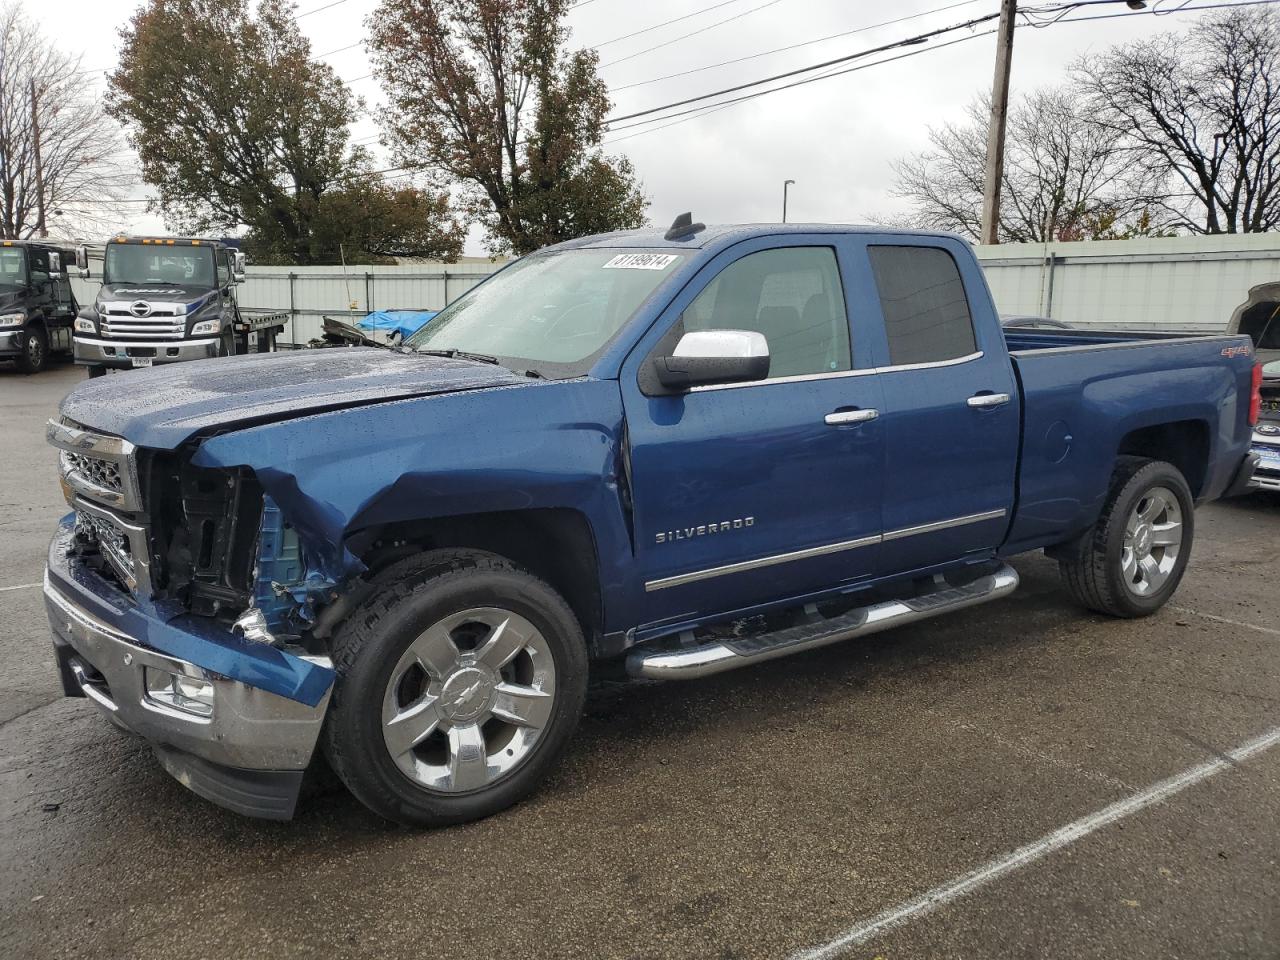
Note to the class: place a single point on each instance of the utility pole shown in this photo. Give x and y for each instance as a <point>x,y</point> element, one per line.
<point>35,136</point>
<point>785,184</point>
<point>995,132</point>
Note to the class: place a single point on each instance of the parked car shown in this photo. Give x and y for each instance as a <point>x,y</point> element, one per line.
<point>1033,323</point>
<point>37,306</point>
<point>681,452</point>
<point>1266,433</point>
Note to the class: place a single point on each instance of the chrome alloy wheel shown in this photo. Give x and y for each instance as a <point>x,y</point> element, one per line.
<point>1152,541</point>
<point>469,700</point>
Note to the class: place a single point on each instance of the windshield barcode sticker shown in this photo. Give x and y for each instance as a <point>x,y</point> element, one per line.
<point>642,261</point>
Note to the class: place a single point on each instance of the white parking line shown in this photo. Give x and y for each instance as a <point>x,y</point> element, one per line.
<point>994,869</point>
<point>20,586</point>
<point>1235,623</point>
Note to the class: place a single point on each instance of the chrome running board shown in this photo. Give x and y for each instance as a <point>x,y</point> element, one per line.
<point>717,656</point>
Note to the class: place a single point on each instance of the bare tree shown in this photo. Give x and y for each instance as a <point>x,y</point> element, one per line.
<point>84,169</point>
<point>1064,178</point>
<point>1202,109</point>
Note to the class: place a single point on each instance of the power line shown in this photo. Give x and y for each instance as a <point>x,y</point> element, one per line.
<point>665,23</point>
<point>695,112</point>
<point>919,38</point>
<point>794,46</point>
<point>692,33</point>
<point>823,76</point>
<point>307,13</point>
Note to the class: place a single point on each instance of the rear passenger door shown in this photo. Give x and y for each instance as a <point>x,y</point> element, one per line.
<point>951,416</point>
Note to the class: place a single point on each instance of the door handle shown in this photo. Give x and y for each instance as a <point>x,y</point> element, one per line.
<point>850,416</point>
<point>988,400</point>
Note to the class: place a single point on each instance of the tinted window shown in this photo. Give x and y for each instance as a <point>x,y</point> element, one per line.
<point>926,314</point>
<point>792,296</point>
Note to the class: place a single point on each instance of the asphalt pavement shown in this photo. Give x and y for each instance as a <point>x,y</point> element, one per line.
<point>1023,779</point>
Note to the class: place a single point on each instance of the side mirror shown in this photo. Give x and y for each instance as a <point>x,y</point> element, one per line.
<point>706,357</point>
<point>237,267</point>
<point>55,263</point>
<point>82,261</point>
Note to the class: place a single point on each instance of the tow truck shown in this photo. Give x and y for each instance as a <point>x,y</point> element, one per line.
<point>165,300</point>
<point>37,306</point>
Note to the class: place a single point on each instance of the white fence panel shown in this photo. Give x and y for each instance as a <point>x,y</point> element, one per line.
<point>1175,283</point>
<point>309,294</point>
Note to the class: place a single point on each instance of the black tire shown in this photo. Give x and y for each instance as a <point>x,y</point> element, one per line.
<point>411,596</point>
<point>34,355</point>
<point>1092,566</point>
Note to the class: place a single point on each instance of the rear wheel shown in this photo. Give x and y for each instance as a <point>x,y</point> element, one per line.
<point>34,346</point>
<point>458,689</point>
<point>1131,561</point>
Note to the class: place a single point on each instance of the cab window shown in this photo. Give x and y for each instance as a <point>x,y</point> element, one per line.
<point>926,313</point>
<point>793,296</point>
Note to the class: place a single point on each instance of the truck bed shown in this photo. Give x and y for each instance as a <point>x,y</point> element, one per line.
<point>1090,394</point>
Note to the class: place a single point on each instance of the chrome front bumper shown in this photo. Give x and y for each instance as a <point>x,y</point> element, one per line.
<point>11,342</point>
<point>248,755</point>
<point>120,353</point>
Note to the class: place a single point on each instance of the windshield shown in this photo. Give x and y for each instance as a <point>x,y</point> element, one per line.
<point>550,312</point>
<point>13,268</point>
<point>182,266</point>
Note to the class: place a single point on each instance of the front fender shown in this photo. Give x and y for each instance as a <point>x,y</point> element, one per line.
<point>542,445</point>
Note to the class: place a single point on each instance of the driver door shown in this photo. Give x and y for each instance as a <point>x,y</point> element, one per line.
<point>754,492</point>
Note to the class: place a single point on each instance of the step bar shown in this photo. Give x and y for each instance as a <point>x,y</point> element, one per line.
<point>705,659</point>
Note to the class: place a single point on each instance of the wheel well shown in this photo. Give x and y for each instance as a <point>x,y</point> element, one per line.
<point>1183,443</point>
<point>554,544</point>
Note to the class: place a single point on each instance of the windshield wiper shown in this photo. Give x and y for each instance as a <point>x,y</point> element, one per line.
<point>455,353</point>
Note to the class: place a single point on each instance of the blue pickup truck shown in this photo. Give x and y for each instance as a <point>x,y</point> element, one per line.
<point>673,453</point>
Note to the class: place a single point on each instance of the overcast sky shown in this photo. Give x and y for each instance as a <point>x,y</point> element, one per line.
<point>836,137</point>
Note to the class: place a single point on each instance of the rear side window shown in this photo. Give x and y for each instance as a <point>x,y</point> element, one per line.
<point>926,315</point>
<point>793,296</point>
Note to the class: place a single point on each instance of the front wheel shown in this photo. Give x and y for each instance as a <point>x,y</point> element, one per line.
<point>458,688</point>
<point>1131,561</point>
<point>34,347</point>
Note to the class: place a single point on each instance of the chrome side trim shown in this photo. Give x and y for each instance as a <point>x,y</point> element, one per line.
<point>745,565</point>
<point>953,362</point>
<point>695,575</point>
<point>839,374</point>
<point>801,378</point>
<point>943,524</point>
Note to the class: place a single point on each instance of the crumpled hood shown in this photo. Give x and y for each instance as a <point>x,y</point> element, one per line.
<point>163,406</point>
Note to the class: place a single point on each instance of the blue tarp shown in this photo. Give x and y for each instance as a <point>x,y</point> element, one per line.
<point>403,322</point>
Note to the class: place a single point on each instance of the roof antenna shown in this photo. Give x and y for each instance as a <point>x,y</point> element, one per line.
<point>683,226</point>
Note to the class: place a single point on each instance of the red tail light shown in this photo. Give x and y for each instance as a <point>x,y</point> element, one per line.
<point>1255,396</point>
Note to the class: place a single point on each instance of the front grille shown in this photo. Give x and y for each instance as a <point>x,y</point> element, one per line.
<point>161,322</point>
<point>112,542</point>
<point>104,473</point>
<point>148,328</point>
<point>100,468</point>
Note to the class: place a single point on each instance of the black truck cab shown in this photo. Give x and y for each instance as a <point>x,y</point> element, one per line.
<point>37,307</point>
<point>162,300</point>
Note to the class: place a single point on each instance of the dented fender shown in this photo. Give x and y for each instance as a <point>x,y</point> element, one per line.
<point>543,444</point>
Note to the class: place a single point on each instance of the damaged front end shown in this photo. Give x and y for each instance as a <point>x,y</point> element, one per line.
<point>180,600</point>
